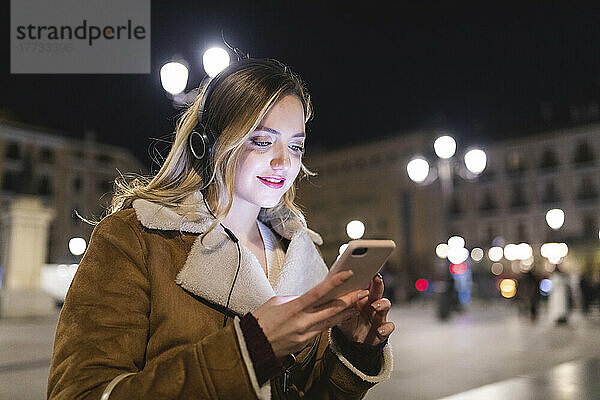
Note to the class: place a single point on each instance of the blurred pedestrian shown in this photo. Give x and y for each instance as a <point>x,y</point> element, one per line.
<point>529,294</point>
<point>587,291</point>
<point>447,300</point>
<point>558,308</point>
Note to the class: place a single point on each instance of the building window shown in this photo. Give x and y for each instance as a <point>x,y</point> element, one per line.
<point>489,202</point>
<point>521,233</point>
<point>551,194</point>
<point>9,182</point>
<point>518,198</point>
<point>583,153</point>
<point>515,163</point>
<point>45,186</point>
<point>590,227</point>
<point>13,151</point>
<point>46,155</point>
<point>587,189</point>
<point>549,159</point>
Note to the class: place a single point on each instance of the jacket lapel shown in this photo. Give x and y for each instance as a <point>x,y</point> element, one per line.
<point>210,267</point>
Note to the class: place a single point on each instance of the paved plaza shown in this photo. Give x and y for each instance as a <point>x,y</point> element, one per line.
<point>487,352</point>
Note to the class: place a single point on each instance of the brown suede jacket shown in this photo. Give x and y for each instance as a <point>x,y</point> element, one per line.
<point>143,318</point>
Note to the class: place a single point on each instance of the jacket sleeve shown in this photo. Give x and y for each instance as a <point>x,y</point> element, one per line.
<point>332,376</point>
<point>103,330</point>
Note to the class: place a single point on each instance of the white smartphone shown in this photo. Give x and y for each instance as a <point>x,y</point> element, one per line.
<point>365,258</point>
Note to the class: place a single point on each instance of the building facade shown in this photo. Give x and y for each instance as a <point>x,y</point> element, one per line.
<point>68,174</point>
<point>524,178</point>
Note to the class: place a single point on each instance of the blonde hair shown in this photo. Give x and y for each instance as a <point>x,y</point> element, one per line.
<point>235,108</point>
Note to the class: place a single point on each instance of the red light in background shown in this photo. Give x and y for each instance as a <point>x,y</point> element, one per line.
<point>421,284</point>
<point>458,269</point>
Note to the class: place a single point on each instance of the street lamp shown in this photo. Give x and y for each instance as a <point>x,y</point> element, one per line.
<point>174,75</point>
<point>419,171</point>
<point>446,167</point>
<point>475,161</point>
<point>77,246</point>
<point>355,229</point>
<point>215,60</point>
<point>555,218</point>
<point>444,147</point>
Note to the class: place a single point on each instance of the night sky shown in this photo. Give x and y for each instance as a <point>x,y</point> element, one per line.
<point>480,69</point>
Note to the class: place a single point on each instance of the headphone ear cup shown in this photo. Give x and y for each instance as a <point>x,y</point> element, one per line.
<point>199,144</point>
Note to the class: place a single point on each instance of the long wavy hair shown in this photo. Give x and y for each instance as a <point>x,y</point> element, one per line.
<point>237,105</point>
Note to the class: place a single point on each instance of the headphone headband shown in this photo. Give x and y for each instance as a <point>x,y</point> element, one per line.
<point>221,76</point>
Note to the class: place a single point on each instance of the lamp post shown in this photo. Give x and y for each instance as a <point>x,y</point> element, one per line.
<point>446,168</point>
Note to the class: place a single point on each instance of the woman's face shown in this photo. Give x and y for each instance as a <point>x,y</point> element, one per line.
<point>271,157</point>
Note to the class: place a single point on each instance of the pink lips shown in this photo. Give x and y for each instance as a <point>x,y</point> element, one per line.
<point>275,185</point>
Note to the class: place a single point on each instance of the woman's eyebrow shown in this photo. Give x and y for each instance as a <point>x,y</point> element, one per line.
<point>276,132</point>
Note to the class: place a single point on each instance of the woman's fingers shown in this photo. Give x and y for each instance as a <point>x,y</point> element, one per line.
<point>381,309</point>
<point>381,306</point>
<point>334,320</point>
<point>376,288</point>
<point>385,330</point>
<point>311,297</point>
<point>334,307</point>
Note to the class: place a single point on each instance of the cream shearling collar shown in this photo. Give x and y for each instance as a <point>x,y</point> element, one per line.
<point>209,269</point>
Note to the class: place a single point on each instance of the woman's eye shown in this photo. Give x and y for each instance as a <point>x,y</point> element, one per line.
<point>297,148</point>
<point>260,143</point>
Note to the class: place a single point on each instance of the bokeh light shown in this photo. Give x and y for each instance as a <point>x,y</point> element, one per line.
<point>421,285</point>
<point>497,268</point>
<point>495,253</point>
<point>456,241</point>
<point>477,254</point>
<point>355,229</point>
<point>441,250</point>
<point>545,287</point>
<point>510,252</point>
<point>215,60</point>
<point>508,288</point>
<point>417,169</point>
<point>475,161</point>
<point>444,146</point>
<point>458,269</point>
<point>174,77</point>
<point>457,255</point>
<point>77,246</point>
<point>555,218</point>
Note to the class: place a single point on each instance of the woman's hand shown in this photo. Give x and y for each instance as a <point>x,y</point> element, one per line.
<point>369,324</point>
<point>290,322</point>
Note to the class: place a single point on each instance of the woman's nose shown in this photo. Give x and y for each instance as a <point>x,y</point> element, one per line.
<point>281,159</point>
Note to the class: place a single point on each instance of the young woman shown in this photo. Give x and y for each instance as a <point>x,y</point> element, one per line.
<point>202,282</point>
